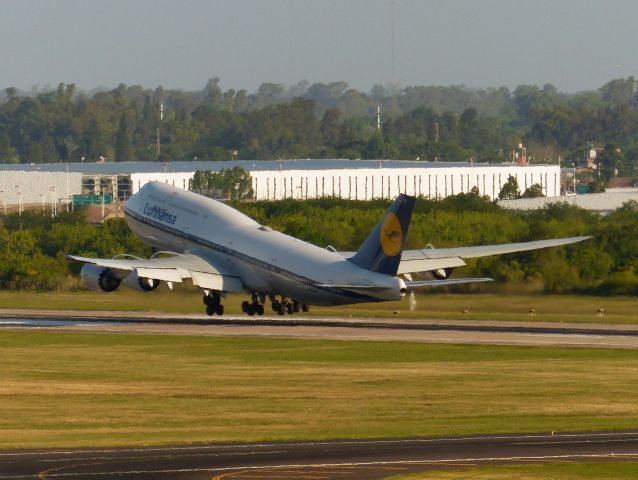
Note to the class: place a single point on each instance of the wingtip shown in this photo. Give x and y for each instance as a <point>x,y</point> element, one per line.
<point>582,238</point>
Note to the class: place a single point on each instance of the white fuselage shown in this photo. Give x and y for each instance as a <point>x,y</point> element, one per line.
<point>266,261</point>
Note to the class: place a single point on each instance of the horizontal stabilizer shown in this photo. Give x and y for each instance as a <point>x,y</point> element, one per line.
<point>417,284</point>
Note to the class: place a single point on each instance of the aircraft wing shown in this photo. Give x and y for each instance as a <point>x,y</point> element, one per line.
<point>204,273</point>
<point>429,259</point>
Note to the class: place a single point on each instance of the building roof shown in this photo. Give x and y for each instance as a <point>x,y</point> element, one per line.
<point>124,168</point>
<point>622,182</point>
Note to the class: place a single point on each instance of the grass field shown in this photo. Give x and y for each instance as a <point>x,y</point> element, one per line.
<point>72,389</point>
<point>554,308</point>
<point>566,471</point>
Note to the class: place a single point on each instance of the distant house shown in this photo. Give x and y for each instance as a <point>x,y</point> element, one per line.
<point>590,157</point>
<point>620,184</point>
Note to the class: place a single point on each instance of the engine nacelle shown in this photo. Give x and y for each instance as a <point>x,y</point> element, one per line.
<point>438,274</point>
<point>135,282</point>
<point>99,278</point>
<point>442,273</point>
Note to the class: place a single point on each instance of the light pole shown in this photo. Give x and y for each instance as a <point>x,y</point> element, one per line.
<point>102,191</point>
<point>4,203</point>
<point>19,200</point>
<point>53,202</point>
<point>165,172</point>
<point>67,186</point>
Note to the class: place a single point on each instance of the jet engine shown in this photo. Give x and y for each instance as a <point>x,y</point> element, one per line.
<point>95,277</point>
<point>437,274</point>
<point>441,273</point>
<point>136,282</point>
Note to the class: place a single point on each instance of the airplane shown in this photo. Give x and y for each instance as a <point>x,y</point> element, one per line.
<point>222,251</point>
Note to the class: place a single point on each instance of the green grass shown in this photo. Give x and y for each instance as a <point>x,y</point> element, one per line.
<point>554,308</point>
<point>72,389</point>
<point>564,471</point>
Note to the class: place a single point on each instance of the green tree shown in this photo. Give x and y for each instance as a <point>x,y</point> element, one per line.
<point>510,190</point>
<point>533,191</point>
<point>232,183</point>
<point>330,126</point>
<point>8,154</point>
<point>124,140</point>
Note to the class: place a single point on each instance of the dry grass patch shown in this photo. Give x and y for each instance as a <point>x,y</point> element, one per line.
<point>66,389</point>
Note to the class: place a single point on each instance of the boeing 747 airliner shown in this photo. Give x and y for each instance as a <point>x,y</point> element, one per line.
<point>222,250</point>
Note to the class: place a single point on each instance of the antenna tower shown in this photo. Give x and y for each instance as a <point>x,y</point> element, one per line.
<point>392,36</point>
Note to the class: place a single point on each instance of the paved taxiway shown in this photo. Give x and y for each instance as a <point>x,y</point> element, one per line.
<point>396,329</point>
<point>353,459</point>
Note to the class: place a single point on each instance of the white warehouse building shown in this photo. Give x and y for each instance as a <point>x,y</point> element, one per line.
<point>37,187</point>
<point>429,181</point>
<point>274,180</point>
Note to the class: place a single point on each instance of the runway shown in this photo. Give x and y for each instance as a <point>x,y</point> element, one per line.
<point>350,459</point>
<point>347,459</point>
<point>428,331</point>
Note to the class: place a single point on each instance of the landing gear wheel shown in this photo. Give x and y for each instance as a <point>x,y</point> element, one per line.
<point>295,307</point>
<point>212,298</point>
<point>210,310</point>
<point>275,306</point>
<point>281,309</point>
<point>244,306</point>
<point>219,310</point>
<point>304,307</point>
<point>259,309</point>
<point>290,308</point>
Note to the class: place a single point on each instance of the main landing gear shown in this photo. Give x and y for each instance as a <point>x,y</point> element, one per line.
<point>254,307</point>
<point>284,306</point>
<point>280,306</point>
<point>213,304</point>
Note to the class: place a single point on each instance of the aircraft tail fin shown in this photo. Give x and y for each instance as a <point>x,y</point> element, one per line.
<point>381,251</point>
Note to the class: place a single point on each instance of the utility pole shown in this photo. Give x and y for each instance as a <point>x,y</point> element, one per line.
<point>67,187</point>
<point>158,129</point>
<point>54,199</point>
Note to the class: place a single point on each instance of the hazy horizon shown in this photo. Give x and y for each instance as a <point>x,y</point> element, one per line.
<point>491,43</point>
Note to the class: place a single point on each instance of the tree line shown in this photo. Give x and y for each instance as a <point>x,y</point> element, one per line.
<point>320,120</point>
<point>33,245</point>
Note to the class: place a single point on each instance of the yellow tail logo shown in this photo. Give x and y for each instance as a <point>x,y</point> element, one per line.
<point>391,235</point>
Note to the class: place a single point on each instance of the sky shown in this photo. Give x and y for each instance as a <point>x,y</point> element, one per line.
<point>573,44</point>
